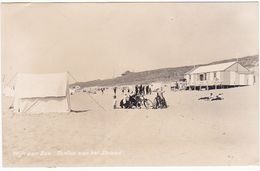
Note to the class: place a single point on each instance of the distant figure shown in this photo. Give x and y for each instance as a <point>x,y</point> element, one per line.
<point>114,90</point>
<point>175,86</point>
<point>102,90</point>
<point>115,102</point>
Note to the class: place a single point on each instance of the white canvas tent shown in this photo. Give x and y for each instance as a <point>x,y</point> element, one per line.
<point>42,93</point>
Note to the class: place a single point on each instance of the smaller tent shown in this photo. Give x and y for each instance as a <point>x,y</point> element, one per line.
<point>8,91</point>
<point>42,93</point>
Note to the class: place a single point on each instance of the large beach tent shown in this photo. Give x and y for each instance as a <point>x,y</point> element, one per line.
<point>228,74</point>
<point>42,93</point>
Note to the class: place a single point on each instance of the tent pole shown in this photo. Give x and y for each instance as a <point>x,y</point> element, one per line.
<point>96,102</point>
<point>72,76</point>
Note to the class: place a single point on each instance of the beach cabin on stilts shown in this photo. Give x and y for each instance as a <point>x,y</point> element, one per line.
<point>224,75</point>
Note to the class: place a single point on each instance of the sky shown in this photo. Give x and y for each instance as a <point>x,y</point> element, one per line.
<point>102,40</point>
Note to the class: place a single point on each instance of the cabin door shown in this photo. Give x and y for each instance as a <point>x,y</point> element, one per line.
<point>242,79</point>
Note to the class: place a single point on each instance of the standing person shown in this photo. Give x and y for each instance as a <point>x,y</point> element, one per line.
<point>115,102</point>
<point>136,89</point>
<point>140,89</point>
<point>177,85</point>
<point>147,89</point>
<point>157,101</point>
<point>163,101</point>
<point>114,90</point>
<point>150,90</point>
<point>102,90</point>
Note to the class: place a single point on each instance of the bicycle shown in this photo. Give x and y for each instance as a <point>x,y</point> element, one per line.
<point>147,103</point>
<point>137,101</point>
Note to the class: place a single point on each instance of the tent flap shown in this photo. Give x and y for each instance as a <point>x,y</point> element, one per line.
<point>43,105</point>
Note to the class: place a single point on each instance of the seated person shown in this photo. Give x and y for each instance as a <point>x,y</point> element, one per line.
<point>210,97</point>
<point>125,103</point>
<point>218,97</point>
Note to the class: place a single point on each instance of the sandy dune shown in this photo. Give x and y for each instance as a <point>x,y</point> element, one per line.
<point>189,132</point>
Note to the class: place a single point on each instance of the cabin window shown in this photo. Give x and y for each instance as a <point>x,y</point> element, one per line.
<point>202,77</point>
<point>215,75</point>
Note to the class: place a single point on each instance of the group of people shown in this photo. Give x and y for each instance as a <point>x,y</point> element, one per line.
<point>134,100</point>
<point>139,89</point>
<point>143,89</point>
<point>131,101</point>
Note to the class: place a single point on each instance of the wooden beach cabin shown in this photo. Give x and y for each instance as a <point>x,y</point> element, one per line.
<point>224,75</point>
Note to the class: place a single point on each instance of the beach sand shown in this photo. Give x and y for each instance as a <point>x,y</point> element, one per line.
<point>189,132</point>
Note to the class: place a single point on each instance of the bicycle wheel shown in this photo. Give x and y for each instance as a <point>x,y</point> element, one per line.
<point>148,104</point>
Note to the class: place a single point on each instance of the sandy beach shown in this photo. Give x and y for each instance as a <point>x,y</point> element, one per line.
<point>51,50</point>
<point>188,132</point>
